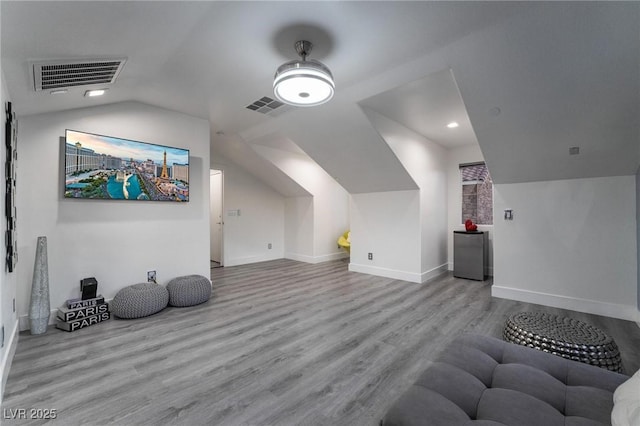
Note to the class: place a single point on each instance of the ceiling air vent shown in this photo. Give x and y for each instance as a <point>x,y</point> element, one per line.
<point>51,75</point>
<point>269,106</point>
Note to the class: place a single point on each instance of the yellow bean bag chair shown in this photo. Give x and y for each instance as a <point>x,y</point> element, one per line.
<point>345,241</point>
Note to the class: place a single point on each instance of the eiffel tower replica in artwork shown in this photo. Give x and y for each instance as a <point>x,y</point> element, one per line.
<point>165,172</point>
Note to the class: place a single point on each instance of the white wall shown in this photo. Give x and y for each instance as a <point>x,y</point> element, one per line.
<point>261,219</point>
<point>455,157</point>
<point>425,161</point>
<point>387,224</point>
<point>115,241</point>
<point>7,280</point>
<point>299,228</point>
<point>571,244</point>
<point>638,230</point>
<point>330,204</point>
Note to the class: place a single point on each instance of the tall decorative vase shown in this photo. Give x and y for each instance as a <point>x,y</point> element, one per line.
<point>39,309</point>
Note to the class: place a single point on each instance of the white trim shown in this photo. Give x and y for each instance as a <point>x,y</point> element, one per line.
<point>23,320</point>
<point>397,274</point>
<point>316,259</point>
<point>293,256</point>
<point>434,272</point>
<point>384,272</point>
<point>8,359</point>
<point>251,259</point>
<point>625,312</point>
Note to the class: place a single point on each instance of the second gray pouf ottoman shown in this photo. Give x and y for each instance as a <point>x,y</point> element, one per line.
<point>139,300</point>
<point>189,290</point>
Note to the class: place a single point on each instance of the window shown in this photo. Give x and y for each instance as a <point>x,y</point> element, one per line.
<point>477,193</point>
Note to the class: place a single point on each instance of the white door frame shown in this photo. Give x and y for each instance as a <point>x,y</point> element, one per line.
<point>216,216</point>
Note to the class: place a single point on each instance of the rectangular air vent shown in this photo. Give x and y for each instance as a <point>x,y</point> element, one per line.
<point>268,106</point>
<point>51,75</point>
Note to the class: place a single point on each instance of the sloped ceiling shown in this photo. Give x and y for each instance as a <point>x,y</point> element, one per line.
<point>566,75</point>
<point>239,152</point>
<point>559,73</point>
<point>426,106</point>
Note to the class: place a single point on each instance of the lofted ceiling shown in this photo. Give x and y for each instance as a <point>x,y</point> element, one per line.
<point>529,80</point>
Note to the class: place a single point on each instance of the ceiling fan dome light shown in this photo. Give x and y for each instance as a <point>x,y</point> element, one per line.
<point>303,83</point>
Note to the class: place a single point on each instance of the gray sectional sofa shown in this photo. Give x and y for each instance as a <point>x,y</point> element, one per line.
<point>482,380</point>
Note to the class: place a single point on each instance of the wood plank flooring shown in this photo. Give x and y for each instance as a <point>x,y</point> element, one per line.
<point>279,343</point>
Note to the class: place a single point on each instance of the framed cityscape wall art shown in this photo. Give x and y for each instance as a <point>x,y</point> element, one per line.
<point>110,168</point>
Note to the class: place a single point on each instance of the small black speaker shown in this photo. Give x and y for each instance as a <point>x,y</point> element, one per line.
<point>89,288</point>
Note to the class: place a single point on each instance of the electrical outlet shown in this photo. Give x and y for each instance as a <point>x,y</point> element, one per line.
<point>370,256</point>
<point>151,276</point>
<point>269,246</point>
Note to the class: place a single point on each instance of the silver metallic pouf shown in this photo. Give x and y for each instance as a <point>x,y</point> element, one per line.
<point>139,300</point>
<point>189,290</point>
<point>566,337</point>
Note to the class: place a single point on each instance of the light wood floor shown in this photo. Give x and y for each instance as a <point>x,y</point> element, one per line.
<point>280,343</point>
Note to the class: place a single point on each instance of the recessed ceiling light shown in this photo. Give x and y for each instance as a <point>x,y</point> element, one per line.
<point>452,125</point>
<point>95,92</point>
<point>58,91</point>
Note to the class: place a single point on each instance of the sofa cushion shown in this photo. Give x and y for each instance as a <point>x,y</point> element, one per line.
<point>589,402</point>
<point>531,381</point>
<point>455,384</point>
<point>480,380</point>
<point>511,407</point>
<point>417,402</point>
<point>473,360</point>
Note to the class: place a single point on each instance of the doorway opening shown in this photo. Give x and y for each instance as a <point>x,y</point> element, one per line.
<point>216,218</point>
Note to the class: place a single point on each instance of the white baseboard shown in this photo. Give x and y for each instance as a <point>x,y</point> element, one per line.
<point>316,259</point>
<point>251,259</point>
<point>385,272</point>
<point>292,256</point>
<point>625,312</point>
<point>23,320</point>
<point>397,274</point>
<point>12,344</point>
<point>433,273</point>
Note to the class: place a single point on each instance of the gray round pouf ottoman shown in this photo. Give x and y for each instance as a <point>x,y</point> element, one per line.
<point>189,290</point>
<point>139,300</point>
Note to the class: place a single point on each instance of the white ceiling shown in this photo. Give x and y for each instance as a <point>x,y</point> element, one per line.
<point>426,106</point>
<point>561,74</point>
